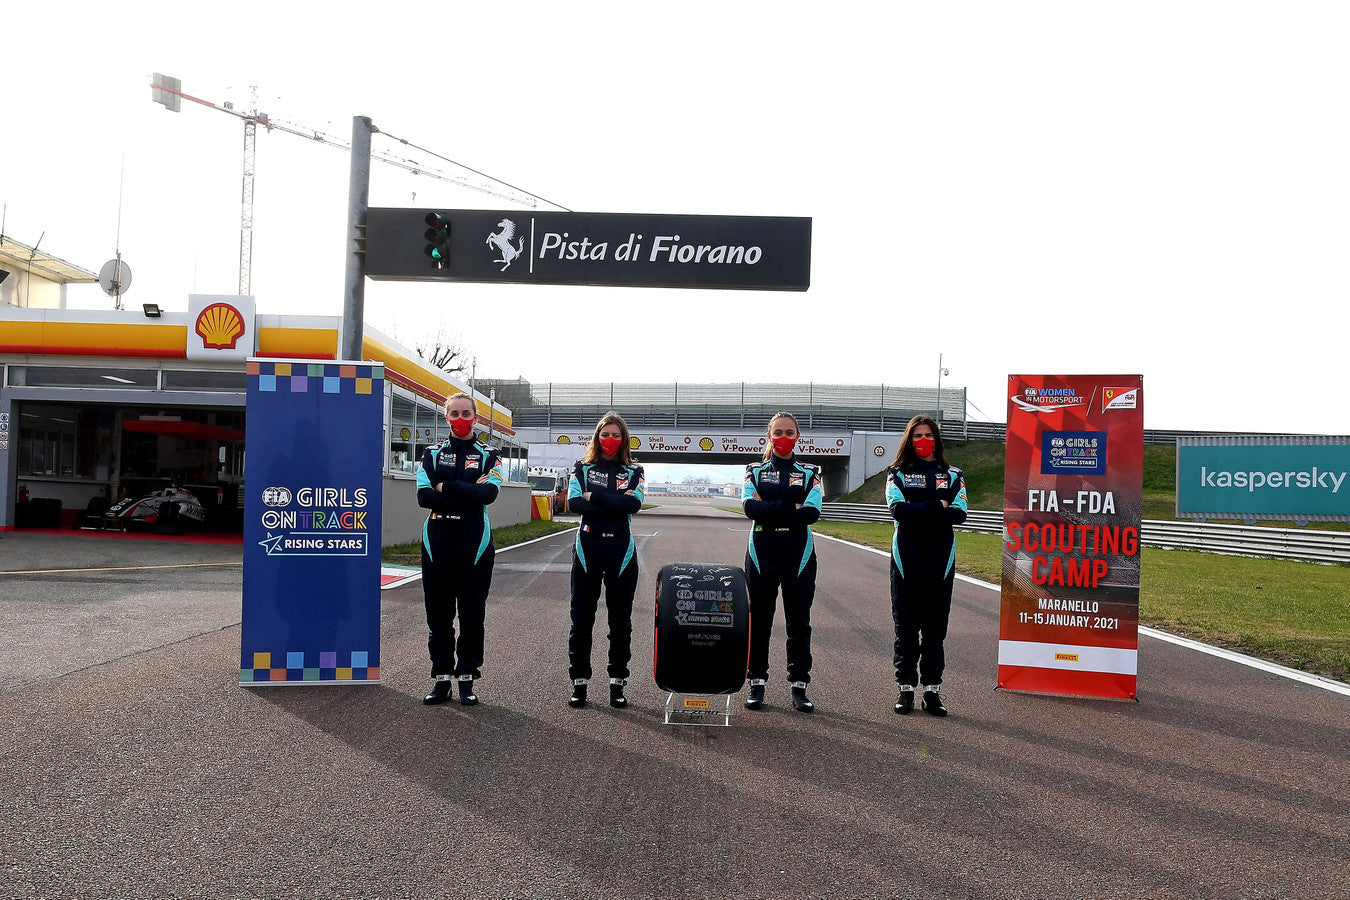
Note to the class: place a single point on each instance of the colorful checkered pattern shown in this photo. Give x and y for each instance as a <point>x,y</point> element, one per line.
<point>328,378</point>
<point>294,665</point>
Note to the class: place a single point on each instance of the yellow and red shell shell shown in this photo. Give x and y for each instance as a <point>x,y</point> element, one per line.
<point>220,326</point>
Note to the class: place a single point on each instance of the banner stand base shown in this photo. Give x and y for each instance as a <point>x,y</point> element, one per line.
<point>698,709</point>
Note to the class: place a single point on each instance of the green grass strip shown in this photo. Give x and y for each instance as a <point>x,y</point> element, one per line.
<point>1293,613</point>
<point>505,536</point>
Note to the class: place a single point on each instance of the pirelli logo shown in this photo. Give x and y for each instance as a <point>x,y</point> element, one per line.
<point>1066,657</point>
<point>695,703</point>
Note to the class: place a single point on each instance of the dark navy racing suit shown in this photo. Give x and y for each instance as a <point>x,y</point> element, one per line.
<point>457,551</point>
<point>781,555</point>
<point>923,565</point>
<point>604,554</point>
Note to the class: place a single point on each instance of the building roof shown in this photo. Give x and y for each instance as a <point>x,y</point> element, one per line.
<point>20,256</point>
<point>74,334</point>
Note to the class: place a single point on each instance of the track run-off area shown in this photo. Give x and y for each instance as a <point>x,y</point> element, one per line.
<point>138,766</point>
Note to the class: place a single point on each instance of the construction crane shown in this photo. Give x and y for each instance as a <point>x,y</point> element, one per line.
<point>168,92</point>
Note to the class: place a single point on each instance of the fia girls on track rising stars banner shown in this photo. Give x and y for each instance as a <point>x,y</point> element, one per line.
<point>1072,502</point>
<point>313,486</point>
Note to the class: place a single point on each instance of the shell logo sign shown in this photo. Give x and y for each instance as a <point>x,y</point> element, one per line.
<point>220,326</point>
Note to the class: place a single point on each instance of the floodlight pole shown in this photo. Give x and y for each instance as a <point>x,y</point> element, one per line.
<point>358,202</point>
<point>941,372</point>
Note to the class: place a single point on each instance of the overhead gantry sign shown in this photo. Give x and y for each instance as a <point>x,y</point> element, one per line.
<point>614,249</point>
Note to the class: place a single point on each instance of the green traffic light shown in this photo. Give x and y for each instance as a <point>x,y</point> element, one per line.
<point>438,238</point>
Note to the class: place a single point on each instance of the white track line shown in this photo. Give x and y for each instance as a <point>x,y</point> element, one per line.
<point>418,577</point>
<point>1326,684</point>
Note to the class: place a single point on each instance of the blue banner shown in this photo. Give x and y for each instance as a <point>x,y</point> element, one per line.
<point>1270,478</point>
<point>1073,452</point>
<point>313,488</point>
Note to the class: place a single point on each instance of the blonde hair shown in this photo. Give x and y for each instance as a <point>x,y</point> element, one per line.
<point>593,454</point>
<point>768,430</point>
<point>445,407</point>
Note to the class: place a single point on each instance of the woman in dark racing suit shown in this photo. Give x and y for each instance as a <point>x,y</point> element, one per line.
<point>456,481</point>
<point>781,496</point>
<point>606,488</point>
<point>927,497</point>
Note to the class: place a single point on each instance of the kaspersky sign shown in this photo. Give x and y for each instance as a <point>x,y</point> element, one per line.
<point>1298,478</point>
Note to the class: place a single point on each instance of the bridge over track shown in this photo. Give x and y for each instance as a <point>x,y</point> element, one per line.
<point>848,407</point>
<point>724,423</point>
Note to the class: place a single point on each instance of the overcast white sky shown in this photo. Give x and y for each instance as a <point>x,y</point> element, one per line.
<point>1022,187</point>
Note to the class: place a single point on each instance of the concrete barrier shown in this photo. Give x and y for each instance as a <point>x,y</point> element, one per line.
<point>402,517</point>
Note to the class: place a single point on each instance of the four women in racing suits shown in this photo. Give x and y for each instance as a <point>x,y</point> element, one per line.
<point>781,496</point>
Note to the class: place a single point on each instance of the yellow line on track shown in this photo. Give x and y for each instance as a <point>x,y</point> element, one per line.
<point>120,568</point>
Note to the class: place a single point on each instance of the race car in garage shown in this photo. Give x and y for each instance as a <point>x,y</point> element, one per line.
<point>151,508</point>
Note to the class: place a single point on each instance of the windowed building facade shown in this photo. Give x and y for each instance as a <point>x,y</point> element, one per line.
<point>99,406</point>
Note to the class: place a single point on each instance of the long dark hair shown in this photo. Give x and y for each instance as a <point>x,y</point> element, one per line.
<point>905,457</point>
<point>593,452</point>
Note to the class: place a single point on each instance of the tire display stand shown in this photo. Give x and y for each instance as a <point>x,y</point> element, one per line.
<point>702,640</point>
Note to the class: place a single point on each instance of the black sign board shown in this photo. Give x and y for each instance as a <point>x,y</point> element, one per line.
<point>614,249</point>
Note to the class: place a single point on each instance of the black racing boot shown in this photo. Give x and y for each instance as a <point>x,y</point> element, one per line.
<point>440,692</point>
<point>800,702</point>
<point>466,694</point>
<point>904,704</point>
<point>616,697</point>
<point>932,701</point>
<point>578,698</point>
<point>755,699</point>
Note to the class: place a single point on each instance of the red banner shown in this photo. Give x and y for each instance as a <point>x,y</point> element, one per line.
<point>1072,502</point>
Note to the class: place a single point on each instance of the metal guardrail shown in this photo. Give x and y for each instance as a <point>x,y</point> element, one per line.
<point>1234,540</point>
<point>997,431</point>
<point>1249,540</point>
<point>980,521</point>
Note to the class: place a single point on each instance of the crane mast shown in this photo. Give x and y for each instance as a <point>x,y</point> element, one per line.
<point>246,198</point>
<point>167,91</point>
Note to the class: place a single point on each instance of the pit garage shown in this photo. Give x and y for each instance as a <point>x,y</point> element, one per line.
<point>115,421</point>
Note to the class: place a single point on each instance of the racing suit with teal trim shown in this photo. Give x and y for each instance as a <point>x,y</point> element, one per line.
<point>604,554</point>
<point>923,565</point>
<point>457,551</point>
<point>781,555</point>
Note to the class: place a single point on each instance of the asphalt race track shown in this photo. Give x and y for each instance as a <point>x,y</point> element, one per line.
<point>134,765</point>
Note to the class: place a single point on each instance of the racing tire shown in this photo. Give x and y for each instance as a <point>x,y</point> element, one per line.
<point>702,628</point>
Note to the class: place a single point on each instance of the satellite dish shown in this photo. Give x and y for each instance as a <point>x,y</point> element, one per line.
<point>114,277</point>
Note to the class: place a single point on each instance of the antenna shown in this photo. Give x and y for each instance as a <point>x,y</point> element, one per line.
<point>28,288</point>
<point>121,186</point>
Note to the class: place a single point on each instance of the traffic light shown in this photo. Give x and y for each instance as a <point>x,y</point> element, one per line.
<point>438,239</point>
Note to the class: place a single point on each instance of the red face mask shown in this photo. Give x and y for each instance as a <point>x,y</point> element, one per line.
<point>783,445</point>
<point>924,446</point>
<point>461,428</point>
<point>610,445</point>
